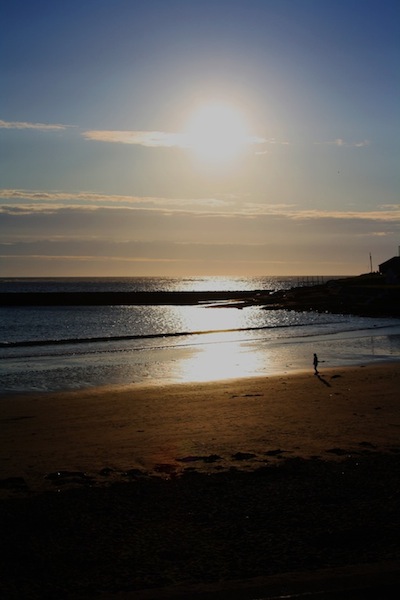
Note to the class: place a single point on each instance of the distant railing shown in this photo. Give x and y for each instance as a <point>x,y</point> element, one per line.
<point>309,280</point>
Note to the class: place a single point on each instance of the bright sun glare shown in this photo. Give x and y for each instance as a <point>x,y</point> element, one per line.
<point>217,133</point>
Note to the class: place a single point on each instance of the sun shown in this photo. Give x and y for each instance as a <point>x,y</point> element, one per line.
<point>216,133</point>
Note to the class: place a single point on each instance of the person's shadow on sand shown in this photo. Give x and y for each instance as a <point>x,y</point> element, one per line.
<point>322,380</point>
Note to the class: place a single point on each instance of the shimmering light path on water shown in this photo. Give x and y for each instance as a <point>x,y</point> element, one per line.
<point>124,345</point>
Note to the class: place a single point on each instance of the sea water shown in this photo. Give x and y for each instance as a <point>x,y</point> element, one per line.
<point>72,347</point>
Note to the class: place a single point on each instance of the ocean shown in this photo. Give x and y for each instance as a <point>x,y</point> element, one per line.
<point>72,347</point>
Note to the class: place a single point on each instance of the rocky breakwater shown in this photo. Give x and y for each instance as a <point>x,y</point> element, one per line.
<point>364,295</point>
<point>120,298</point>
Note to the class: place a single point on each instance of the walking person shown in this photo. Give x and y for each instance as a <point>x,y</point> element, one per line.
<point>315,363</point>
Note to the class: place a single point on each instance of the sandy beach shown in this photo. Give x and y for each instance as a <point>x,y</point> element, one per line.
<point>199,482</point>
<point>162,429</point>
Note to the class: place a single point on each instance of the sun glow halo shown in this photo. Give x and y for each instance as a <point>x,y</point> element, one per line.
<point>217,133</point>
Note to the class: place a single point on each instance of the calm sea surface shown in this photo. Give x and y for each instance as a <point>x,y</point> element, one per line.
<point>53,348</point>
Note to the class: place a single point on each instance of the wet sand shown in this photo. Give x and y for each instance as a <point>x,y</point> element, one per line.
<point>121,490</point>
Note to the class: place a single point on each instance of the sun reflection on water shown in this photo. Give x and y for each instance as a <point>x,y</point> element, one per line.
<point>221,360</point>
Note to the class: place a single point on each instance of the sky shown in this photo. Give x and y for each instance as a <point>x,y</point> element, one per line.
<point>187,137</point>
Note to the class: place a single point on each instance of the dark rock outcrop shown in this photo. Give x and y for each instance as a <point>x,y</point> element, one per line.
<point>366,295</point>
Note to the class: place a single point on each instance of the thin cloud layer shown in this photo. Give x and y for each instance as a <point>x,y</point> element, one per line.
<point>153,139</point>
<point>26,125</point>
<point>42,201</point>
<point>37,201</point>
<point>150,139</point>
<point>339,142</point>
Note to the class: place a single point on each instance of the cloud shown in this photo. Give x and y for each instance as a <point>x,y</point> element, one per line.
<point>36,201</point>
<point>58,196</point>
<point>371,215</point>
<point>151,139</point>
<point>37,126</point>
<point>148,139</point>
<point>342,143</point>
<point>389,212</point>
<point>154,139</point>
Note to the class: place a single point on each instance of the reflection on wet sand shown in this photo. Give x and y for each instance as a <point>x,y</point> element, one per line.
<point>210,362</point>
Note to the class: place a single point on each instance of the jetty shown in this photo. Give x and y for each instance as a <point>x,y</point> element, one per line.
<point>121,298</point>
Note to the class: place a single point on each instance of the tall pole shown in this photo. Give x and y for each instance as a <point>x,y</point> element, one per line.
<point>370,263</point>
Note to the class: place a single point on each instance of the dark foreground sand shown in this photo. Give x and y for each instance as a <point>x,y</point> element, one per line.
<point>116,491</point>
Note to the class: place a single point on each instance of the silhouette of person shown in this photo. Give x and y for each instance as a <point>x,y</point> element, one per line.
<point>315,363</point>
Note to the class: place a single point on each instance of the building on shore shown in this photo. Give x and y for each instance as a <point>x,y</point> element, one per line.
<point>391,269</point>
